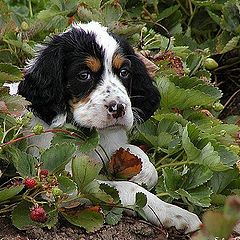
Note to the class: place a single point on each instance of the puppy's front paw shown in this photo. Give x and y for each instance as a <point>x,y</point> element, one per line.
<point>157,211</point>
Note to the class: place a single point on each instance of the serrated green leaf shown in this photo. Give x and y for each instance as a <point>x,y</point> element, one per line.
<point>167,12</point>
<point>93,192</point>
<point>23,162</point>
<point>92,3</point>
<point>57,156</point>
<point>66,184</point>
<point>110,191</point>
<point>221,180</point>
<point>214,17</point>
<point>113,216</point>
<point>86,218</point>
<point>141,200</point>
<point>90,143</point>
<point>199,196</point>
<point>85,170</point>
<point>9,72</point>
<point>205,156</point>
<point>231,44</point>
<point>196,176</point>
<point>173,96</point>
<point>231,19</point>
<point>8,193</point>
<point>21,216</point>
<point>110,13</point>
<point>172,179</point>
<point>196,84</point>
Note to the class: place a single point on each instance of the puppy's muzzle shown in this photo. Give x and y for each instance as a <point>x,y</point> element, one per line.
<point>116,109</point>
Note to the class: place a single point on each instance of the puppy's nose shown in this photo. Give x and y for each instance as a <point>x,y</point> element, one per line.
<point>116,109</point>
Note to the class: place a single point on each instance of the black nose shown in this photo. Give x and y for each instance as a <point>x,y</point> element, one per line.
<point>116,109</point>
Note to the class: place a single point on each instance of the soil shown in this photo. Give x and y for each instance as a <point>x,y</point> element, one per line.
<point>128,229</point>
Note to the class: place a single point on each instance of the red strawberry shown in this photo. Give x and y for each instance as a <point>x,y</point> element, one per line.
<point>38,214</point>
<point>44,172</point>
<point>30,182</point>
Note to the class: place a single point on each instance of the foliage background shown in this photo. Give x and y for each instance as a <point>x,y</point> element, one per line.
<point>194,46</point>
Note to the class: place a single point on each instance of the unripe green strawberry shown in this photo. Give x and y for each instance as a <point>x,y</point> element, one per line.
<point>38,214</point>
<point>30,182</point>
<point>24,26</point>
<point>38,129</point>
<point>218,106</point>
<point>210,64</point>
<point>57,192</point>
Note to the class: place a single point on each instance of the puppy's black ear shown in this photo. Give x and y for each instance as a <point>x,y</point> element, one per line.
<point>145,97</point>
<point>43,83</point>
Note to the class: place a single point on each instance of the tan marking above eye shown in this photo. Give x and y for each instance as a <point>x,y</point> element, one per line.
<point>93,63</point>
<point>75,102</point>
<point>118,61</point>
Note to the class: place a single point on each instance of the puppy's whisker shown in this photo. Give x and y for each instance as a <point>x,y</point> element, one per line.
<point>136,96</point>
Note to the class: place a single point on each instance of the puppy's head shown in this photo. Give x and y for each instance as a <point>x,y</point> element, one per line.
<point>92,74</point>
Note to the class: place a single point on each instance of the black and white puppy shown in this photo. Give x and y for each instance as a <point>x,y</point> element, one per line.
<point>96,80</point>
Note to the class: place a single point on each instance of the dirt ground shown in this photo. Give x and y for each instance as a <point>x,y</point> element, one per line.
<point>127,229</point>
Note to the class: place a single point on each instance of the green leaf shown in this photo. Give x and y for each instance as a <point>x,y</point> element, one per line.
<point>57,156</point>
<point>113,216</point>
<point>196,176</point>
<point>231,19</point>
<point>23,162</point>
<point>195,83</point>
<point>90,143</point>
<point>92,3</point>
<point>199,196</point>
<point>66,184</point>
<point>205,156</point>
<point>141,200</point>
<point>93,192</point>
<point>231,44</point>
<point>21,216</point>
<point>85,170</point>
<point>9,72</point>
<point>86,218</point>
<point>110,191</point>
<point>7,193</point>
<point>221,180</point>
<point>111,12</point>
<point>167,12</point>
<point>173,96</point>
<point>172,179</point>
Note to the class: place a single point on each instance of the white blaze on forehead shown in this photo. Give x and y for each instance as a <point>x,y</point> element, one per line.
<point>103,39</point>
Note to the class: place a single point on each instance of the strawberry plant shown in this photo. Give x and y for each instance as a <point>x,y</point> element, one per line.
<point>192,50</point>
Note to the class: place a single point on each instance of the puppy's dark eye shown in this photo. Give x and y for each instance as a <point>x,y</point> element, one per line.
<point>124,73</point>
<point>84,75</point>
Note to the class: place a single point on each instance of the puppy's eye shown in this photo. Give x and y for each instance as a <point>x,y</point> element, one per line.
<point>124,73</point>
<point>84,75</point>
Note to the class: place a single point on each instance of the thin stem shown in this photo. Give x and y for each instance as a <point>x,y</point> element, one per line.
<point>46,131</point>
<point>30,8</point>
<point>162,194</point>
<point>173,164</point>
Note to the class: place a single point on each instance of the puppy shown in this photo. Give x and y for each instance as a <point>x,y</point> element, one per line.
<point>95,79</point>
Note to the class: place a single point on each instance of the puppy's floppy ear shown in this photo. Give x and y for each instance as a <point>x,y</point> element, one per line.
<point>144,94</point>
<point>43,83</point>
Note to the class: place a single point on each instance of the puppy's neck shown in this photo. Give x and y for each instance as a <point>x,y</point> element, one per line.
<point>112,139</point>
